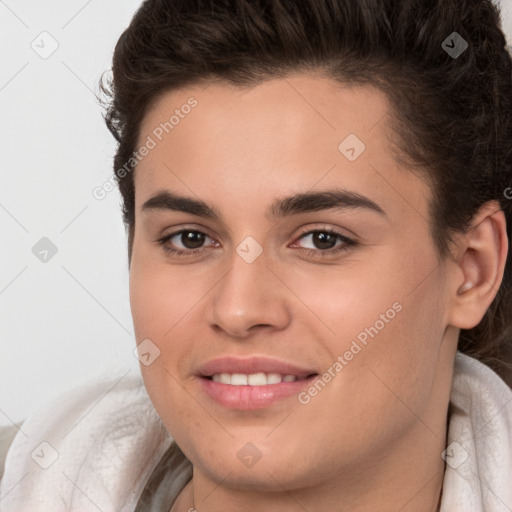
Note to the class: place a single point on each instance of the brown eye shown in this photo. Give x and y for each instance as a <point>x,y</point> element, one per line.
<point>192,239</point>
<point>185,242</point>
<point>324,239</point>
<point>323,242</point>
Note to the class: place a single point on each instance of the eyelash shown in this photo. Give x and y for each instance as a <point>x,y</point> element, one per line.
<point>345,246</point>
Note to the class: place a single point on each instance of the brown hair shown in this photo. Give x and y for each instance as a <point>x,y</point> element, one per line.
<point>452,113</point>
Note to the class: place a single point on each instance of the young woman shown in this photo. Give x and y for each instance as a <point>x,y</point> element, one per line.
<point>317,195</point>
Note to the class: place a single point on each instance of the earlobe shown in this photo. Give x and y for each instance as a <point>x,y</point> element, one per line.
<point>483,250</point>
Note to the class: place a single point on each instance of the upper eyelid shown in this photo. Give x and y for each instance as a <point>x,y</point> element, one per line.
<point>172,234</point>
<point>323,229</point>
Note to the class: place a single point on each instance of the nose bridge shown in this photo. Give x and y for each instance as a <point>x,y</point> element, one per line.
<point>246,283</point>
<point>248,294</point>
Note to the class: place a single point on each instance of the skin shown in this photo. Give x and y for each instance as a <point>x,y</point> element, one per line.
<point>357,445</point>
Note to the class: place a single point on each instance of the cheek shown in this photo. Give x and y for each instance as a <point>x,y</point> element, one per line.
<point>399,360</point>
<point>166,305</point>
<point>386,322</point>
<point>342,301</point>
<point>161,298</point>
<point>385,376</point>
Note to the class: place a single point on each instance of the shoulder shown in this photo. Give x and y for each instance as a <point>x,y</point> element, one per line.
<point>7,434</point>
<point>475,381</point>
<point>480,398</point>
<point>479,440</point>
<point>104,436</point>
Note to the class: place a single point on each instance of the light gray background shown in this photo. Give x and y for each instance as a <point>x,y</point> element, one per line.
<point>68,320</point>
<point>65,321</point>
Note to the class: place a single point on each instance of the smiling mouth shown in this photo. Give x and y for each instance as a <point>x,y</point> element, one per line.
<point>255,390</point>
<point>255,379</point>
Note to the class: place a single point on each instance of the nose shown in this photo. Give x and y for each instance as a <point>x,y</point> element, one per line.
<point>249,298</point>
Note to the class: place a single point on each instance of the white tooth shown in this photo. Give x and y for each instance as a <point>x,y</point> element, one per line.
<point>238,379</point>
<point>254,379</point>
<point>225,378</point>
<point>257,379</point>
<point>273,378</point>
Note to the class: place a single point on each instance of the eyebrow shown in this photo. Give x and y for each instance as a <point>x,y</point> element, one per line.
<point>336,199</point>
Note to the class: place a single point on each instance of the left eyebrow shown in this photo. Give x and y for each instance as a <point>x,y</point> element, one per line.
<point>336,199</point>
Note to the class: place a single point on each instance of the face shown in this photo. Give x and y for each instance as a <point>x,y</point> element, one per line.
<point>340,287</point>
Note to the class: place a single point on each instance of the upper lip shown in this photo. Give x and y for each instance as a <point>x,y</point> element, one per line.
<point>252,365</point>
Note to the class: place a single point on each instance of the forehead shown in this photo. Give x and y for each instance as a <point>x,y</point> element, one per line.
<point>290,133</point>
<point>301,104</point>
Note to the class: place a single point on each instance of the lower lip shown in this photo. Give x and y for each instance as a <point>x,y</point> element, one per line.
<point>247,397</point>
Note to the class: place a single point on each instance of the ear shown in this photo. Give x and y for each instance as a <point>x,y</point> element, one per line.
<point>477,269</point>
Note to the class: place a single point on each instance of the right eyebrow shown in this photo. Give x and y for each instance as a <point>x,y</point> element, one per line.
<point>166,200</point>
